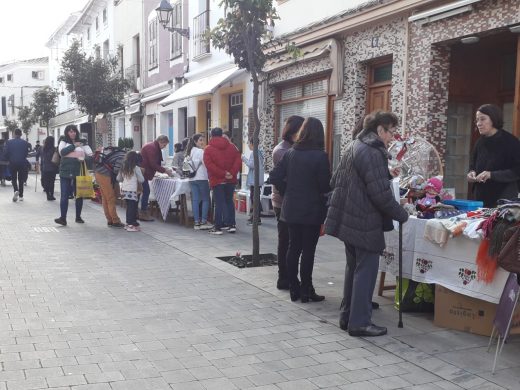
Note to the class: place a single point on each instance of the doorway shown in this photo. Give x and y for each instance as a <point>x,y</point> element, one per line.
<point>480,73</point>
<point>379,85</point>
<point>236,116</point>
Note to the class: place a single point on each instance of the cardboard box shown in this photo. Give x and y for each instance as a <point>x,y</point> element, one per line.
<point>460,312</point>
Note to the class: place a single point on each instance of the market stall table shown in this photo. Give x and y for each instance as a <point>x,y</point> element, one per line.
<point>452,266</point>
<point>167,190</point>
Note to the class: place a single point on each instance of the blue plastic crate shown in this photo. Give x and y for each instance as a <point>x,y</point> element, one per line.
<point>464,205</point>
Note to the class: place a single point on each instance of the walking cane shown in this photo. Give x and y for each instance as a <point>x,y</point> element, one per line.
<point>400,284</point>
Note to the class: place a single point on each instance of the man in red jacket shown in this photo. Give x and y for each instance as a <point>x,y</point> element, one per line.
<point>152,158</point>
<point>222,160</point>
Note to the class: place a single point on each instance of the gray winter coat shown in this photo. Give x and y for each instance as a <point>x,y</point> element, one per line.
<point>361,198</point>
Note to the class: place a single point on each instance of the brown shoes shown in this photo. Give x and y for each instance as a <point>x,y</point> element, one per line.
<point>145,216</point>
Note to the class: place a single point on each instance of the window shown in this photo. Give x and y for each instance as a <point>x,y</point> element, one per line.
<point>236,99</point>
<point>105,17</point>
<point>37,74</point>
<point>10,77</point>
<point>97,23</point>
<point>201,45</point>
<point>1,80</point>
<point>304,99</point>
<point>176,38</point>
<point>106,50</point>
<point>152,44</point>
<point>88,34</point>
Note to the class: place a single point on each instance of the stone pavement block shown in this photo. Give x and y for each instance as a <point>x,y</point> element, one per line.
<point>390,383</point>
<point>420,377</point>
<point>101,377</point>
<point>266,378</point>
<point>94,386</point>
<point>302,361</point>
<point>298,373</point>
<point>43,372</point>
<point>327,381</point>
<point>21,365</point>
<point>327,357</point>
<point>360,386</point>
<point>360,375</point>
<point>218,384</point>
<point>141,384</point>
<point>390,370</point>
<point>9,357</point>
<point>61,361</point>
<point>187,386</point>
<point>328,368</point>
<point>81,369</point>
<point>69,380</point>
<point>354,364</point>
<point>447,385</point>
<point>300,384</point>
<point>178,376</point>
<point>27,384</point>
<point>205,372</point>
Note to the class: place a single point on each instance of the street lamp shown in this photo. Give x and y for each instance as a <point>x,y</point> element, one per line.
<point>165,13</point>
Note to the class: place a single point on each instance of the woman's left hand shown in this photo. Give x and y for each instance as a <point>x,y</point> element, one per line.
<point>484,176</point>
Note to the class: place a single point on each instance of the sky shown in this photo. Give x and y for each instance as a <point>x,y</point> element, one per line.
<point>26,25</point>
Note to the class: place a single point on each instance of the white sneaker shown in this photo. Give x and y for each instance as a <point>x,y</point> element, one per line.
<point>215,231</point>
<point>20,198</point>
<point>196,226</point>
<point>15,196</point>
<point>205,226</point>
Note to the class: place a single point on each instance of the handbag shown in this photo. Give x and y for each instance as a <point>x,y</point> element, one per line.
<point>509,256</point>
<point>188,168</point>
<point>56,157</point>
<point>84,184</point>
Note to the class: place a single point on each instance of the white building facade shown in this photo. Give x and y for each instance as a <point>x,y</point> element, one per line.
<point>18,82</point>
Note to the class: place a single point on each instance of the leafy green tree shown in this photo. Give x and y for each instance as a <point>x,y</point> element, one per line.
<point>27,120</point>
<point>11,125</point>
<point>242,33</point>
<point>96,84</point>
<point>44,105</point>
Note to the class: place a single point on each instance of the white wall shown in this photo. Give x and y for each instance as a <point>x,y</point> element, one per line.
<point>293,16</point>
<point>22,86</point>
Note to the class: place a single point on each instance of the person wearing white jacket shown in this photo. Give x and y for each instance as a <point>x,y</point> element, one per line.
<point>131,176</point>
<point>199,183</point>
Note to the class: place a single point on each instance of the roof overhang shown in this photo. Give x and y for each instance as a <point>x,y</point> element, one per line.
<point>308,52</point>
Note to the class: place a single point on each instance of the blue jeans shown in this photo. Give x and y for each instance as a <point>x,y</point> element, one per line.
<point>145,195</point>
<point>67,187</point>
<point>200,193</point>
<point>224,207</point>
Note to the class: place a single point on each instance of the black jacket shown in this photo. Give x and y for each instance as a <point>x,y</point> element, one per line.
<point>362,200</point>
<point>305,174</point>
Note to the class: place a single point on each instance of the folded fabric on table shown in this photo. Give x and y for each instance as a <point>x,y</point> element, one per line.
<point>435,232</point>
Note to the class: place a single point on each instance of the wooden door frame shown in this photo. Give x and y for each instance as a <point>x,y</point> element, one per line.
<point>371,65</point>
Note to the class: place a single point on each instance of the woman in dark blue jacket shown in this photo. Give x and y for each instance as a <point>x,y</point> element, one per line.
<point>304,171</point>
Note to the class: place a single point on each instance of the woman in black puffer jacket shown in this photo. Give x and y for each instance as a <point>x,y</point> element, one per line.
<point>304,171</point>
<point>49,169</point>
<point>362,204</point>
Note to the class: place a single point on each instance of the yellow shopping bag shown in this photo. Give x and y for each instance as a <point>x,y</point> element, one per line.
<point>84,184</point>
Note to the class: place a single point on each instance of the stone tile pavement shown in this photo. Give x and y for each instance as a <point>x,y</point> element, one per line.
<point>88,307</point>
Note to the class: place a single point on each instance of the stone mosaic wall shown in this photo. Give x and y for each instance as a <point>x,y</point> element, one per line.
<point>361,47</point>
<point>428,78</point>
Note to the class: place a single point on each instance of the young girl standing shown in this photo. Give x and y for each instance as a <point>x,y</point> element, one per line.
<point>130,175</point>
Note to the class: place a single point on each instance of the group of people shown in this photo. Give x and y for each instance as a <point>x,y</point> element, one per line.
<point>354,204</point>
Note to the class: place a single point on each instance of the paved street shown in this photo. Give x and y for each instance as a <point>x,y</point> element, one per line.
<point>87,307</point>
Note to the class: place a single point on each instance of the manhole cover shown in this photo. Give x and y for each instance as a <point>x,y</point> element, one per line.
<point>46,229</point>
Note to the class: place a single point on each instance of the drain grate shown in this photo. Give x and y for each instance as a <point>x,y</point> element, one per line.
<point>46,229</point>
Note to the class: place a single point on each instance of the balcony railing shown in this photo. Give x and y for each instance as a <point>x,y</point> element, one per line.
<point>200,41</point>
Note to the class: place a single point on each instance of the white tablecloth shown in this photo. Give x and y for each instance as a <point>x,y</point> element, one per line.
<point>452,266</point>
<point>166,190</point>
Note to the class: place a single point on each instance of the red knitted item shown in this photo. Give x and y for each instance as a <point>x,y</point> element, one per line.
<point>486,265</point>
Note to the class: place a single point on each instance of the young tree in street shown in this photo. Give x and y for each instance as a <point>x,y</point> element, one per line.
<point>11,125</point>
<point>27,120</point>
<point>241,34</point>
<point>96,84</point>
<point>44,105</point>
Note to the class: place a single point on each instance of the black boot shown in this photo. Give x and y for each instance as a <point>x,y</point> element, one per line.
<point>309,294</point>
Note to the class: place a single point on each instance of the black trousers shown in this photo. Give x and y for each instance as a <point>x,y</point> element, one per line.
<point>283,244</point>
<point>302,240</point>
<point>19,173</point>
<point>48,179</point>
<point>131,212</point>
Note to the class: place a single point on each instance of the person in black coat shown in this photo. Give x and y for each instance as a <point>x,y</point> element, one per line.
<point>48,168</point>
<point>362,207</point>
<point>303,177</point>
<point>495,163</point>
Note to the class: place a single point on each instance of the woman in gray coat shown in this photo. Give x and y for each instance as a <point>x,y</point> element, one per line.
<point>362,206</point>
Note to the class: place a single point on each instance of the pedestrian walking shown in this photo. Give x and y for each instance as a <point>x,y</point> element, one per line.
<point>304,171</point>
<point>250,182</point>
<point>362,207</point>
<point>48,168</point>
<point>108,163</point>
<point>223,162</point>
<point>289,134</point>
<point>199,183</point>
<point>72,155</point>
<point>131,176</point>
<point>151,162</point>
<point>178,157</point>
<point>16,151</point>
